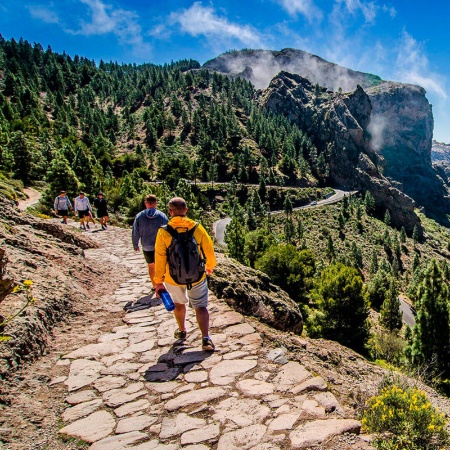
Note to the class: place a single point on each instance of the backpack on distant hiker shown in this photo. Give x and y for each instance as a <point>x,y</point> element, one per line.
<point>184,256</point>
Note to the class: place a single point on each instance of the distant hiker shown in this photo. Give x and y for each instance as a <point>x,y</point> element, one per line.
<point>145,227</point>
<point>62,205</point>
<point>83,208</point>
<point>102,209</point>
<point>195,293</point>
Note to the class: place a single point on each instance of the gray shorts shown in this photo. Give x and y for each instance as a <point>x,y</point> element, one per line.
<point>197,297</point>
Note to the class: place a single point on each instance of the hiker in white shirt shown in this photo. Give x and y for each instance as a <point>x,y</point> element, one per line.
<point>82,207</point>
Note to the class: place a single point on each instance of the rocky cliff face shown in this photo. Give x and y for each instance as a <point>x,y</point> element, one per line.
<point>440,158</point>
<point>339,124</point>
<point>401,119</point>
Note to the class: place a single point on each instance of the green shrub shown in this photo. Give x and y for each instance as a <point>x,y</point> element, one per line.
<point>403,418</point>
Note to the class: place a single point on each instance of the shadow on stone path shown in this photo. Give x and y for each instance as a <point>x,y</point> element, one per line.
<point>136,388</point>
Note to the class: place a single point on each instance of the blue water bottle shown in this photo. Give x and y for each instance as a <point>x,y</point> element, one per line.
<point>167,300</point>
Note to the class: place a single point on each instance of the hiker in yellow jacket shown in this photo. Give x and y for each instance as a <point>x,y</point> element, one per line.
<point>197,295</point>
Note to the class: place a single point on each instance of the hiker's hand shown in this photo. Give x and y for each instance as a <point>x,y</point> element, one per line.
<point>209,271</point>
<point>136,249</point>
<point>158,288</point>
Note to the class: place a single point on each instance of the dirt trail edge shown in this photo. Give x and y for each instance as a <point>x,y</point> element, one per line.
<point>125,383</point>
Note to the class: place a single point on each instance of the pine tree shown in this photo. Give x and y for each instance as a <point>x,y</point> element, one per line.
<point>387,218</point>
<point>369,202</point>
<point>330,248</point>
<point>403,235</point>
<point>390,314</point>
<point>235,234</point>
<point>373,262</point>
<point>343,306</point>
<point>431,337</point>
<point>60,177</point>
<point>415,235</point>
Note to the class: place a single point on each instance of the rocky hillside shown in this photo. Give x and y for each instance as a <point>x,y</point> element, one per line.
<point>400,123</point>
<point>120,381</point>
<point>52,257</point>
<point>340,124</point>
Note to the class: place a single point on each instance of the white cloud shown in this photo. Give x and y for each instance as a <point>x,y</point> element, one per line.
<point>412,66</point>
<point>390,10</point>
<point>105,19</point>
<point>304,7</point>
<point>198,20</point>
<point>44,14</point>
<point>368,9</point>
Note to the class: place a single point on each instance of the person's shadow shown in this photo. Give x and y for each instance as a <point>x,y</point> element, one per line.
<point>146,302</point>
<point>174,362</point>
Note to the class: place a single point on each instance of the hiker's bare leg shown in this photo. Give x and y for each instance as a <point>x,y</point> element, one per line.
<point>180,316</point>
<point>151,273</point>
<point>202,315</point>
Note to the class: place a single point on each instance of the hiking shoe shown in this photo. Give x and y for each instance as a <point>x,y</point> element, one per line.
<point>180,335</point>
<point>87,226</point>
<point>207,345</point>
<point>103,227</point>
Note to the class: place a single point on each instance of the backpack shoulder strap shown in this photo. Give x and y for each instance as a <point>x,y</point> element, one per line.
<point>192,230</point>
<point>170,230</point>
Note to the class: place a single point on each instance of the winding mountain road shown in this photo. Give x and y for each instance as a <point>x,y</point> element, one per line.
<point>220,225</point>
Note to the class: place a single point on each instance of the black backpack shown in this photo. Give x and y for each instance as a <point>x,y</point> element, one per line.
<point>184,256</point>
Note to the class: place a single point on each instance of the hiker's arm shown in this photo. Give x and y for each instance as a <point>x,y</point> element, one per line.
<point>160,257</point>
<point>208,249</point>
<point>135,235</point>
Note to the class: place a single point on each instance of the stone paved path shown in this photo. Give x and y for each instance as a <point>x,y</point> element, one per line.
<point>137,388</point>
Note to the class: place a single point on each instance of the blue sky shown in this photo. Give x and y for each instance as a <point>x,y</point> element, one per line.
<point>399,40</point>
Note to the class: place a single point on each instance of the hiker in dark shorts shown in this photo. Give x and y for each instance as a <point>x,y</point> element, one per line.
<point>83,208</point>
<point>102,209</point>
<point>145,227</point>
<point>62,205</point>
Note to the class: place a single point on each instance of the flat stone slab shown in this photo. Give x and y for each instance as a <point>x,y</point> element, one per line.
<point>241,411</point>
<point>312,408</point>
<point>80,397</point>
<point>291,374</point>
<point>82,373</point>
<point>193,397</point>
<point>244,438</point>
<point>227,319</point>
<point>328,401</point>
<point>131,408</point>
<point>92,428</point>
<point>241,329</point>
<point>117,397</point>
<point>98,350</point>
<point>121,368</point>
<point>110,360</point>
<point>135,423</point>
<point>311,434</point>
<point>283,422</point>
<point>224,372</point>
<point>173,426</point>
<point>312,384</point>
<point>255,388</point>
<point>199,376</point>
<point>81,410</point>
<point>140,347</point>
<point>206,433</point>
<point>156,445</point>
<point>119,442</point>
<point>108,383</point>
